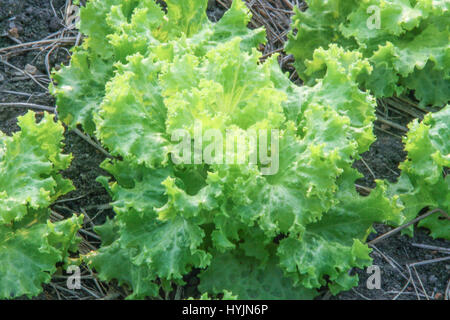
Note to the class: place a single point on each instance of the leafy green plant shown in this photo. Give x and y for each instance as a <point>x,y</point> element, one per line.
<point>423,182</point>
<point>408,50</point>
<point>406,42</point>
<point>143,74</point>
<point>117,29</point>
<point>31,245</point>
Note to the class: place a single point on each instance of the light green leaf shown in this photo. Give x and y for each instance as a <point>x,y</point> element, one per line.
<point>29,167</point>
<point>249,280</point>
<point>28,256</point>
<point>332,246</point>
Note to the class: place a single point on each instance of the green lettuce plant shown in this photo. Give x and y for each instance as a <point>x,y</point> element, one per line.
<point>30,181</point>
<point>144,74</point>
<point>423,182</point>
<point>405,41</point>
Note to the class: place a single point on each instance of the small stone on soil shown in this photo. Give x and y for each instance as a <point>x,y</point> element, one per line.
<point>14,32</point>
<point>31,69</point>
